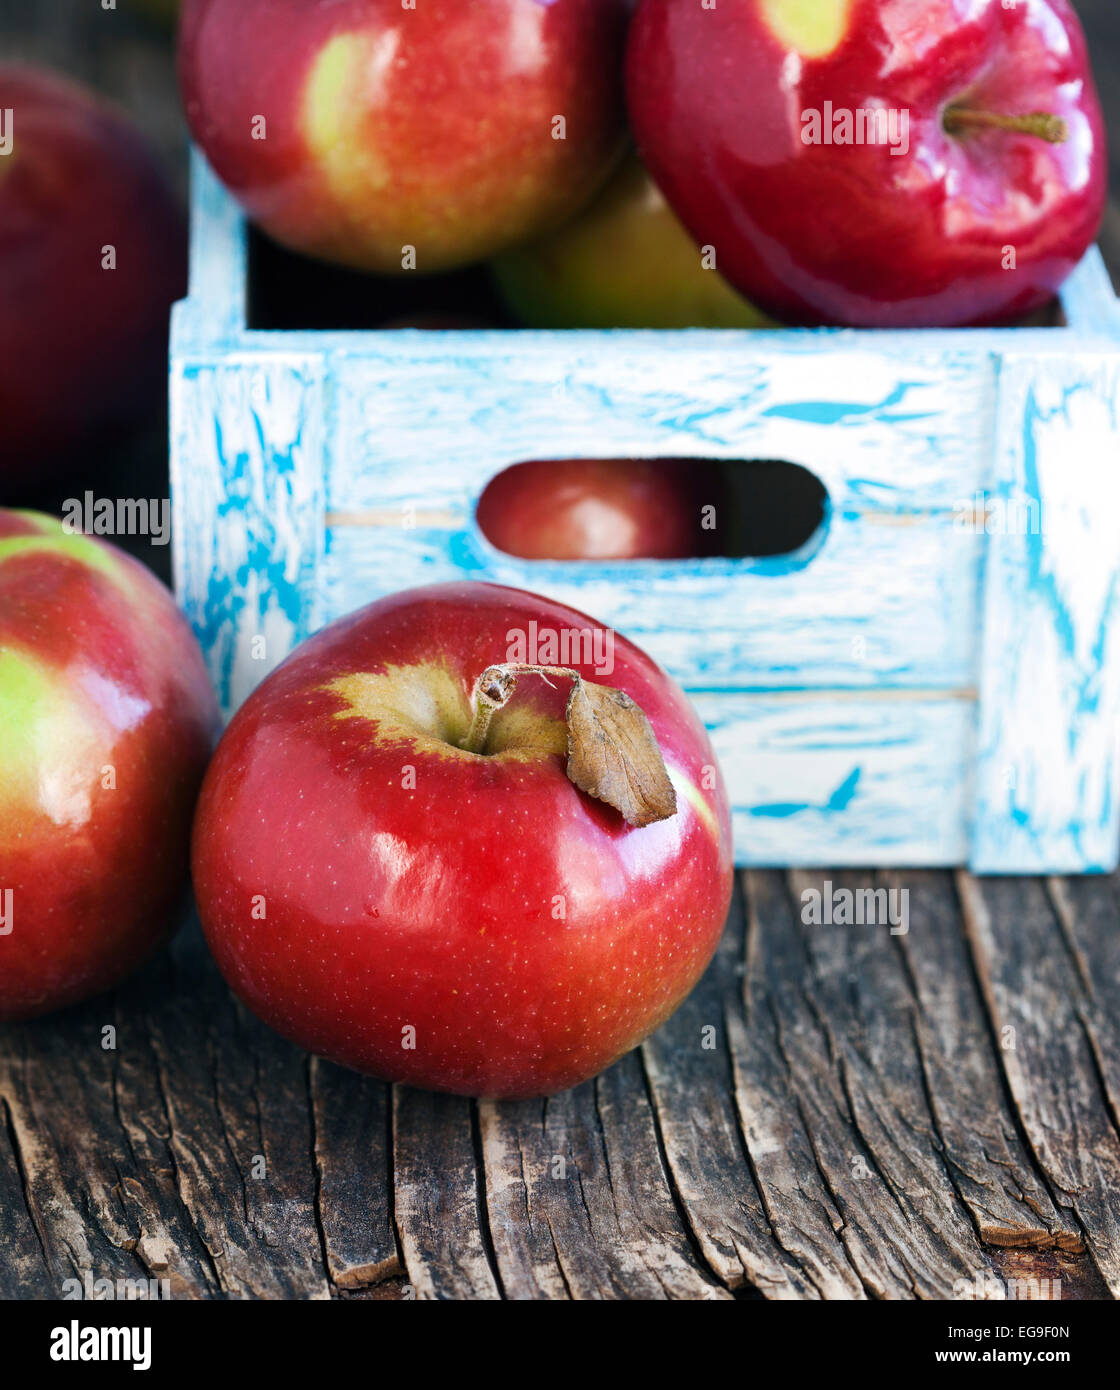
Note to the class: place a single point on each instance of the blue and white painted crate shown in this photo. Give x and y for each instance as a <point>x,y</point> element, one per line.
<point>907,691</point>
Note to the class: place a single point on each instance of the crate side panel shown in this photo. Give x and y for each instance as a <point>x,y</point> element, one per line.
<point>214,312</point>
<point>1088,299</point>
<point>1049,772</point>
<point>247,498</point>
<point>426,426</point>
<point>837,779</point>
<point>877,605</point>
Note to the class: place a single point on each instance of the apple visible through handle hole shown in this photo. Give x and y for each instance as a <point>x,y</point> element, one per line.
<point>606,509</point>
<point>613,754</point>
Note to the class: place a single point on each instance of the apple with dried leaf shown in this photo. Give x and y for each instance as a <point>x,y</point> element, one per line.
<point>466,839</point>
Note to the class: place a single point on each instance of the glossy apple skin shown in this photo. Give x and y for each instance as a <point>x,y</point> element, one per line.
<point>434,907</point>
<point>852,234</point>
<point>83,350</point>
<point>97,669</point>
<point>600,509</point>
<point>624,262</point>
<point>388,127</point>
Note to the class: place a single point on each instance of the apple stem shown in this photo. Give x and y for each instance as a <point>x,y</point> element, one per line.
<point>492,691</point>
<point>1046,126</point>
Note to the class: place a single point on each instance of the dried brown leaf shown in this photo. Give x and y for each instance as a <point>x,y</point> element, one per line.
<point>613,754</point>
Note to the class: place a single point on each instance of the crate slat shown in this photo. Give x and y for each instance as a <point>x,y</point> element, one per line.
<point>427,428</point>
<point>832,777</point>
<point>852,615</point>
<point>1049,765</point>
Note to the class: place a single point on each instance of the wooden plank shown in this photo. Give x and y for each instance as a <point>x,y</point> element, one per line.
<point>240,1131</point>
<point>215,311</point>
<point>246,476</point>
<point>91,1138</point>
<point>839,777</point>
<point>1088,910</point>
<point>68,1177</point>
<point>831,1088</point>
<point>990,1167</point>
<point>354,1159</point>
<point>579,1200</point>
<point>1049,753</point>
<point>440,1213</point>
<point>1037,1276</point>
<point>23,1269</point>
<point>425,420</point>
<point>688,1063</point>
<point>852,616</point>
<point>1037,1001</point>
<point>1088,299</point>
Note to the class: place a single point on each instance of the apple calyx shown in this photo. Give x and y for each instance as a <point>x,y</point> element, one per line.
<point>1044,124</point>
<point>613,754</point>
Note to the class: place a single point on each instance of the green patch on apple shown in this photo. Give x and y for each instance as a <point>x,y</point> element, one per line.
<point>625,262</point>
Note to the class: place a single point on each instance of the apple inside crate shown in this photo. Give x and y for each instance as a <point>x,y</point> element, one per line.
<point>932,678</point>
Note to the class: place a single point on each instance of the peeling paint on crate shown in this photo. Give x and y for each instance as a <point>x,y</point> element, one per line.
<point>877,778</point>
<point>1050,697</point>
<point>426,429</point>
<point>901,692</point>
<point>853,616</point>
<point>249,532</point>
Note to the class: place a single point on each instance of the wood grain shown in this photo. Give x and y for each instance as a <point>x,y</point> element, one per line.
<point>831,1087</point>
<point>354,1162</point>
<point>1037,997</point>
<point>691,1079</point>
<point>440,1211</point>
<point>579,1202</point>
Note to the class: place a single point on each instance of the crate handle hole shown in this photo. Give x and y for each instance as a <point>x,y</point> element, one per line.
<point>655,509</point>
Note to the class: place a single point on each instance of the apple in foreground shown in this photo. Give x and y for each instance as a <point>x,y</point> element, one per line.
<point>602,509</point>
<point>93,252</point>
<point>624,262</point>
<point>356,130</point>
<point>397,868</point>
<point>108,719</point>
<point>875,162</point>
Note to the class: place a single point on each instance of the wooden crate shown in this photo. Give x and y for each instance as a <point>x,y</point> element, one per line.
<point>934,679</point>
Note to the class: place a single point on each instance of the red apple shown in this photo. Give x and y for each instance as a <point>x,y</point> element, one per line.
<point>107,716</point>
<point>875,162</point>
<point>465,921</point>
<point>92,254</point>
<point>601,509</point>
<point>354,130</point>
<point>624,262</point>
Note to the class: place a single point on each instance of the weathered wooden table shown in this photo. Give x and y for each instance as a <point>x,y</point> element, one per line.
<point>836,1112</point>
